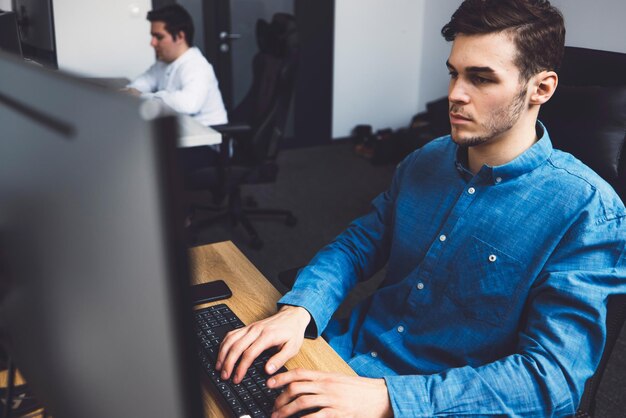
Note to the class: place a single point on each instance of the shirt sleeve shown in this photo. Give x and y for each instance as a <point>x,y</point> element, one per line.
<point>146,82</point>
<point>355,255</point>
<point>560,342</point>
<point>196,82</point>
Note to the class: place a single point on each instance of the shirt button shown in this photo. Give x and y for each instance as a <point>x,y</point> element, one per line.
<point>420,286</point>
<point>492,258</point>
<point>400,329</point>
<point>374,354</point>
<point>442,238</point>
<point>498,179</point>
<point>471,190</point>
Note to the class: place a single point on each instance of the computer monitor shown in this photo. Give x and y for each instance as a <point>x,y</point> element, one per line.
<point>35,20</point>
<point>9,37</point>
<point>93,267</point>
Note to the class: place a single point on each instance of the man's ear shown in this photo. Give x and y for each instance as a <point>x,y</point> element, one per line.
<point>180,36</point>
<point>544,86</point>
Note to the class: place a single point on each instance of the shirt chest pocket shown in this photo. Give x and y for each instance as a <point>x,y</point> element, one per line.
<point>484,282</point>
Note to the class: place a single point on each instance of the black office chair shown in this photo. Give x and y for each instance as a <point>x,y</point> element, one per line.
<point>256,130</point>
<point>587,118</point>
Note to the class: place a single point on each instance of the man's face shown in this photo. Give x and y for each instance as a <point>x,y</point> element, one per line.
<point>165,47</point>
<point>485,96</point>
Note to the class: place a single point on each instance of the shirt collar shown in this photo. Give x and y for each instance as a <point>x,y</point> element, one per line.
<point>184,57</point>
<point>530,159</point>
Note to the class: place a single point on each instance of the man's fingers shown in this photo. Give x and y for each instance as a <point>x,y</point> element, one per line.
<point>279,359</point>
<point>241,347</point>
<point>290,376</point>
<point>323,394</point>
<point>307,401</point>
<point>237,345</point>
<point>318,413</point>
<point>250,354</point>
<point>295,390</point>
<point>225,346</point>
<point>262,342</point>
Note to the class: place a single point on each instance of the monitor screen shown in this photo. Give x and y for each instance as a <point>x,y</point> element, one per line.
<point>35,20</point>
<point>9,38</point>
<point>93,266</point>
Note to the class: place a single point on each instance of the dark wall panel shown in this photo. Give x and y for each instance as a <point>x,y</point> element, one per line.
<point>314,92</point>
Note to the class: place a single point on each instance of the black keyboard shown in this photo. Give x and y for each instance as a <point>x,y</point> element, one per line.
<point>251,398</point>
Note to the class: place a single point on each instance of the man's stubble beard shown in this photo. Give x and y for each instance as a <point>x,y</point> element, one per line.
<point>498,123</point>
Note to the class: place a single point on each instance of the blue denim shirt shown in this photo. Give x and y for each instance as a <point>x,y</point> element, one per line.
<point>495,296</point>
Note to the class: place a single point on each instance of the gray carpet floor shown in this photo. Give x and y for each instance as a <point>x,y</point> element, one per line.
<point>326,187</point>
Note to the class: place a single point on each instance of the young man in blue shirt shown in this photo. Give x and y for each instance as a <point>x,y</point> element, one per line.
<point>500,252</point>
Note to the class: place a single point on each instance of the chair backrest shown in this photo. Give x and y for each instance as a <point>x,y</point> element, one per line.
<point>266,105</point>
<point>587,118</point>
<point>587,115</point>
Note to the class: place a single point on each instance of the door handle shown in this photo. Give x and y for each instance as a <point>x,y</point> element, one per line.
<point>232,36</point>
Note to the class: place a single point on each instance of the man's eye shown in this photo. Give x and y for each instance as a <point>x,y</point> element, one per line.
<point>480,80</point>
<point>453,74</point>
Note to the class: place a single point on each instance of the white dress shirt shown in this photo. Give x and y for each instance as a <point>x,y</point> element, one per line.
<point>188,85</point>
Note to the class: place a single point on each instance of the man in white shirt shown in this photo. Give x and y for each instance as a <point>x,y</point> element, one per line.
<point>181,76</point>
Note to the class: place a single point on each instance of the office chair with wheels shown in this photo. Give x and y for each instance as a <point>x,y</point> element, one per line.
<point>256,131</point>
<point>587,118</point>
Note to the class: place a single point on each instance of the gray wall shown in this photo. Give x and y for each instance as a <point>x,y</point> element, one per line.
<point>433,81</point>
<point>103,39</point>
<point>597,24</point>
<point>376,63</point>
<point>590,24</point>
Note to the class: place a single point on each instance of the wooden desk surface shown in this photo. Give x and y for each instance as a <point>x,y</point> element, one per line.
<point>253,298</point>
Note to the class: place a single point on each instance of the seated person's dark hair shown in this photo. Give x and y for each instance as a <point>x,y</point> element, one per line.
<point>536,27</point>
<point>176,19</point>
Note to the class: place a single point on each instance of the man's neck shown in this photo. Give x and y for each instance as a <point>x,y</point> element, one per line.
<point>503,149</point>
<point>181,52</point>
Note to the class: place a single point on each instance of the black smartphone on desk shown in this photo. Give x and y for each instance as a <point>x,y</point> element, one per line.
<point>209,292</point>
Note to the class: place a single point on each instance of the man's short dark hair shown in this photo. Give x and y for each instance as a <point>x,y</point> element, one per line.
<point>176,19</point>
<point>536,27</point>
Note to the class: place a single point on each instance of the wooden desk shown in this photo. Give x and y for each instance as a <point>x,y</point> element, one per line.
<point>253,298</point>
<point>113,83</point>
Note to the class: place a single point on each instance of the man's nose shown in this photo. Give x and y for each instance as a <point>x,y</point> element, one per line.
<point>153,42</point>
<point>457,93</point>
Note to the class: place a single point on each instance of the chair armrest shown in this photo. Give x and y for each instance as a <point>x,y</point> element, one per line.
<point>231,133</point>
<point>232,128</point>
<point>288,277</point>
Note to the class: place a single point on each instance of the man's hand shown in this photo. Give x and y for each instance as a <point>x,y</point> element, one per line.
<point>131,91</point>
<point>331,394</point>
<point>284,330</point>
